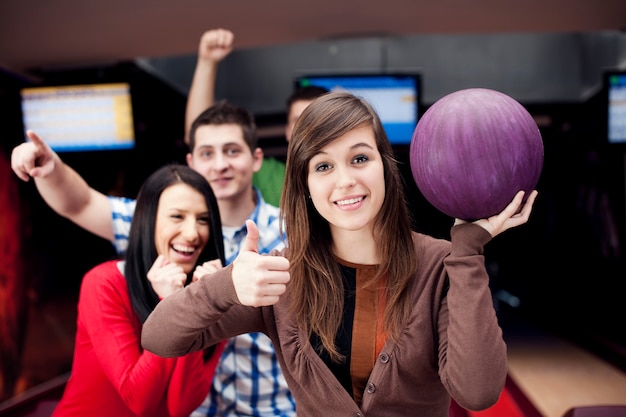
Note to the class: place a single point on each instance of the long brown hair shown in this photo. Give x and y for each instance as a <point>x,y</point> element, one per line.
<point>316,285</point>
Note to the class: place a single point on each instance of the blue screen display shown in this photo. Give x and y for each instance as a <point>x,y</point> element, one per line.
<point>395,97</point>
<point>616,117</point>
<point>76,118</point>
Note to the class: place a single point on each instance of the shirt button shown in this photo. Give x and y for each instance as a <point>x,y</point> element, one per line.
<point>357,415</point>
<point>384,358</point>
<point>371,388</point>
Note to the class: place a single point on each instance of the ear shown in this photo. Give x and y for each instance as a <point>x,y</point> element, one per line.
<point>189,160</point>
<point>288,130</point>
<point>257,159</point>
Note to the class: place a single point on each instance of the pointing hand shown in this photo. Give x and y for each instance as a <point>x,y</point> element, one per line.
<point>33,158</point>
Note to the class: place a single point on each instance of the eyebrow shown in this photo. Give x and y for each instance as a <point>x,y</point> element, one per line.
<point>223,145</point>
<point>182,210</point>
<point>361,145</point>
<point>353,147</point>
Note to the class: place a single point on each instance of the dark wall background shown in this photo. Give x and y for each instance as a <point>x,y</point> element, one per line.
<point>158,116</point>
<point>530,67</point>
<point>54,253</point>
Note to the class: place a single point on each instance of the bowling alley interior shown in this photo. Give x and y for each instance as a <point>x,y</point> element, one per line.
<point>557,282</point>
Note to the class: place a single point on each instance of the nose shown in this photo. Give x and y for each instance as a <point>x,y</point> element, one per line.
<point>344,178</point>
<point>189,230</point>
<point>220,162</point>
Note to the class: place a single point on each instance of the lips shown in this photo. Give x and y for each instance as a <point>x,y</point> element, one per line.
<point>184,249</point>
<point>221,180</point>
<point>349,201</point>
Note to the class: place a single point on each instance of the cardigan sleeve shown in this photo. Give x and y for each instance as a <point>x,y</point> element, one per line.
<point>200,315</point>
<point>473,361</point>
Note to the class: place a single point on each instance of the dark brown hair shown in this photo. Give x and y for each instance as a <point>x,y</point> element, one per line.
<point>316,285</point>
<point>310,92</point>
<point>222,113</point>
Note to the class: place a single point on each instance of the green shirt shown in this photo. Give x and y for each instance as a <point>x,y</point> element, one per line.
<point>269,180</point>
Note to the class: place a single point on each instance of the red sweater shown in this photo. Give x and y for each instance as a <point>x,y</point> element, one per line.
<point>111,374</point>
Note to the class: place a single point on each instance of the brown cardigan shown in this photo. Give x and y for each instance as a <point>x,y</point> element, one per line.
<point>452,345</point>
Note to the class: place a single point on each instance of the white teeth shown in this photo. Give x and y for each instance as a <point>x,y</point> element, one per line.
<point>350,201</point>
<point>184,249</point>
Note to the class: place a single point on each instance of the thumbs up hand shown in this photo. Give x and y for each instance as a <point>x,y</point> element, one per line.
<point>259,280</point>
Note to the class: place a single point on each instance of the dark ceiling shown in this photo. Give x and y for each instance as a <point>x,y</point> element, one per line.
<point>61,33</point>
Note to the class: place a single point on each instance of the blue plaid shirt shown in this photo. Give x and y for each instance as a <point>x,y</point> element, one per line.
<point>248,380</point>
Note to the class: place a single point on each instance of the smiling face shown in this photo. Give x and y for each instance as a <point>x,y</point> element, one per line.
<point>346,181</point>
<point>223,157</point>
<point>182,225</point>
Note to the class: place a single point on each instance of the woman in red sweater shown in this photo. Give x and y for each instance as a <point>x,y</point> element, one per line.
<point>175,238</point>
